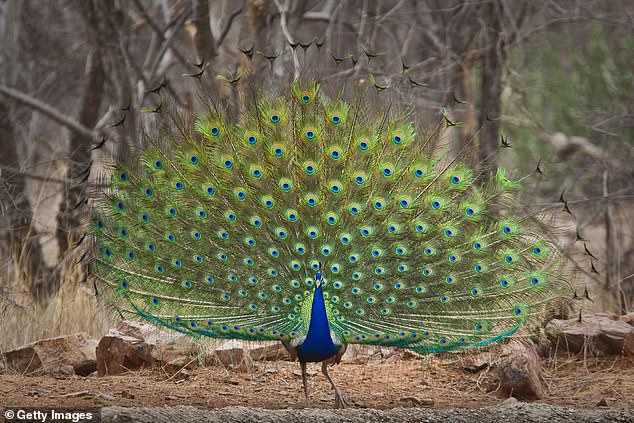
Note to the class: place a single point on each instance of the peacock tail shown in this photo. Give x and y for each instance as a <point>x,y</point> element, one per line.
<point>218,226</point>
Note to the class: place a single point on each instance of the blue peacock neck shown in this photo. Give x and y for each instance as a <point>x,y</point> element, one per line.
<point>318,344</point>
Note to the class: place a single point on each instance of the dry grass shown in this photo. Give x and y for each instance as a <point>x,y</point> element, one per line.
<point>74,309</point>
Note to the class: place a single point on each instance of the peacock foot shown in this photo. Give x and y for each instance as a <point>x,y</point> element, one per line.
<point>340,401</point>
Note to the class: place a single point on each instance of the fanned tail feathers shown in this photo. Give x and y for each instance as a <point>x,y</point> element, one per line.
<point>217,229</point>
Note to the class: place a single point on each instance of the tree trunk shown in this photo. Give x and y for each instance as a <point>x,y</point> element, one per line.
<point>68,218</point>
<point>17,216</point>
<point>204,39</point>
<point>491,91</point>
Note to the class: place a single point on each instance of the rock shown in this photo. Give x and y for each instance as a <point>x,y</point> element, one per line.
<point>602,403</point>
<point>106,397</point>
<point>411,355</point>
<point>182,375</point>
<point>544,346</point>
<point>600,334</point>
<point>77,394</point>
<point>417,401</point>
<point>164,346</point>
<point>133,345</point>
<point>62,372</point>
<point>360,354</point>
<point>518,370</point>
<point>118,353</point>
<point>233,355</point>
<point>628,318</point>
<point>475,364</point>
<point>515,370</point>
<point>126,395</point>
<point>270,352</point>
<point>62,355</point>
<point>180,367</point>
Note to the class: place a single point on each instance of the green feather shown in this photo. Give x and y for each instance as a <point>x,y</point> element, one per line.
<point>219,231</point>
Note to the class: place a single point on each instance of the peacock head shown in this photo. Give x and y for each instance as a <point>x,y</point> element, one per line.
<point>319,279</point>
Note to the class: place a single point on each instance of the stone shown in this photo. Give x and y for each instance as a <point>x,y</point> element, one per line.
<point>126,394</point>
<point>133,345</point>
<point>628,318</point>
<point>411,355</point>
<point>417,401</point>
<point>515,370</point>
<point>360,354</point>
<point>602,334</point>
<point>518,370</point>
<point>233,355</point>
<point>164,346</point>
<point>62,355</point>
<point>180,367</point>
<point>118,353</point>
<point>270,352</point>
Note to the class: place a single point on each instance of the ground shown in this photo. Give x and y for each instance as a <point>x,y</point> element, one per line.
<point>409,390</point>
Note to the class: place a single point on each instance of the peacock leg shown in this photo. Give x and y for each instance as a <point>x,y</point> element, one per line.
<point>304,379</point>
<point>340,401</point>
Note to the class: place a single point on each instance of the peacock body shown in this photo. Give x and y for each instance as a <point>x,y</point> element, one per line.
<point>317,223</point>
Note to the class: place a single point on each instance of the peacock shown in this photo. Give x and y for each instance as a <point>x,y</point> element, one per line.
<point>319,222</point>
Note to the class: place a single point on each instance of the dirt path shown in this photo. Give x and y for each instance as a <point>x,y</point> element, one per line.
<point>379,390</point>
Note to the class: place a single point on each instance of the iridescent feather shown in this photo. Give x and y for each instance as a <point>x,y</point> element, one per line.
<point>220,232</point>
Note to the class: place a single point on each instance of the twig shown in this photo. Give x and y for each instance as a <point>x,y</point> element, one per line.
<point>167,42</point>
<point>48,110</point>
<point>158,31</point>
<point>283,11</point>
<point>325,14</point>
<point>227,27</point>
<point>17,171</point>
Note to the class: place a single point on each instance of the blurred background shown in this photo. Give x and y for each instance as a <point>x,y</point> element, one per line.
<point>552,79</point>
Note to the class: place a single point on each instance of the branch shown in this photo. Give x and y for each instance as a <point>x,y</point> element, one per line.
<point>565,145</point>
<point>325,14</point>
<point>203,38</point>
<point>158,32</point>
<point>49,111</point>
<point>283,12</point>
<point>15,171</point>
<point>227,27</point>
<point>167,42</point>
